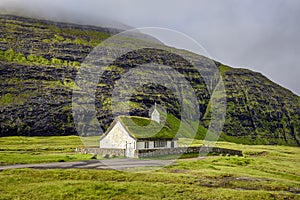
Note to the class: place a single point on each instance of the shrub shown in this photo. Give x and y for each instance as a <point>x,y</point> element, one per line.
<point>6,99</point>
<point>56,61</point>
<point>20,58</point>
<point>9,55</point>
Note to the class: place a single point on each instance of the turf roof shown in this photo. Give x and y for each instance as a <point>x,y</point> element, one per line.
<point>145,128</point>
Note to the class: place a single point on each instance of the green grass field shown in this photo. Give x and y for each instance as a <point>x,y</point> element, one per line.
<point>23,150</point>
<point>265,172</point>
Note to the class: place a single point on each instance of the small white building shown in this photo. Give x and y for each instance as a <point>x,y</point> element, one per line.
<point>132,133</point>
<point>155,116</point>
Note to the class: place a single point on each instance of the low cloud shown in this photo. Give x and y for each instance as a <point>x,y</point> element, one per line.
<point>258,35</point>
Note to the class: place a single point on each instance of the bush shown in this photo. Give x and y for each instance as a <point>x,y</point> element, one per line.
<point>20,58</point>
<point>56,61</point>
<point>9,55</point>
<point>6,99</point>
<point>59,38</point>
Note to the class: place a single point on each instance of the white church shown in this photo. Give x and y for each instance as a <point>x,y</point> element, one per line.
<point>123,133</point>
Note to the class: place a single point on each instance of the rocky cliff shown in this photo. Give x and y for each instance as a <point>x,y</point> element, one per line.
<point>39,61</point>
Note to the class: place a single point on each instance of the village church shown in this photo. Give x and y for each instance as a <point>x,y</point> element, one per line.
<point>124,133</point>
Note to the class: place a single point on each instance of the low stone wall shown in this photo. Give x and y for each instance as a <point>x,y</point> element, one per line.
<point>142,153</point>
<point>103,152</point>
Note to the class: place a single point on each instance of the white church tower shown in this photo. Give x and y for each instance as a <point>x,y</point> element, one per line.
<point>155,116</point>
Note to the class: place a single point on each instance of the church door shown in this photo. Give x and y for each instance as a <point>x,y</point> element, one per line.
<point>129,151</point>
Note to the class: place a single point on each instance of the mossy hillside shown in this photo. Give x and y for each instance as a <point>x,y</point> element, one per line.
<point>258,110</point>
<point>19,58</point>
<point>39,62</point>
<point>264,108</point>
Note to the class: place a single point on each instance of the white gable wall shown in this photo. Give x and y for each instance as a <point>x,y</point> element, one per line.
<point>117,138</point>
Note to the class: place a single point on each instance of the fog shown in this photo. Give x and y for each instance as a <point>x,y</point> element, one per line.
<point>259,35</point>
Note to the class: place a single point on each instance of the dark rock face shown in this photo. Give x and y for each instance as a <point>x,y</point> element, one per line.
<point>36,93</point>
<point>260,110</point>
<point>40,101</point>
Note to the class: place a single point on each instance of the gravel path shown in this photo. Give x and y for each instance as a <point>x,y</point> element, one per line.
<point>94,164</point>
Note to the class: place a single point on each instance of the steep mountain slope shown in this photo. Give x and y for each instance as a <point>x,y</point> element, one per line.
<point>260,111</point>
<point>39,61</point>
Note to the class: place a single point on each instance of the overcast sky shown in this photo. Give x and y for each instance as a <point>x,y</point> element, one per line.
<point>262,35</point>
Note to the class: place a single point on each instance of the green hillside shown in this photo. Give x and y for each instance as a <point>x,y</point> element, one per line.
<point>39,61</point>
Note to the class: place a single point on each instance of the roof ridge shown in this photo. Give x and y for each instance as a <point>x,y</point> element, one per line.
<point>123,119</point>
<point>136,117</point>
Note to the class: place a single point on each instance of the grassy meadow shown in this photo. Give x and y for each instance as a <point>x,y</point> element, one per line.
<point>265,172</point>
<point>23,150</point>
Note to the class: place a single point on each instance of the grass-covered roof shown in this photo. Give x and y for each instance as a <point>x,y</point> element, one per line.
<point>145,128</point>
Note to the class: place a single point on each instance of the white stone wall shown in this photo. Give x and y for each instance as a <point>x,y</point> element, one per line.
<point>141,144</point>
<point>151,144</point>
<point>117,138</point>
<point>175,144</point>
<point>168,144</point>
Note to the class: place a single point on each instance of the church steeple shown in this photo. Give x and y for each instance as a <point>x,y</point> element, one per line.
<point>155,115</point>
